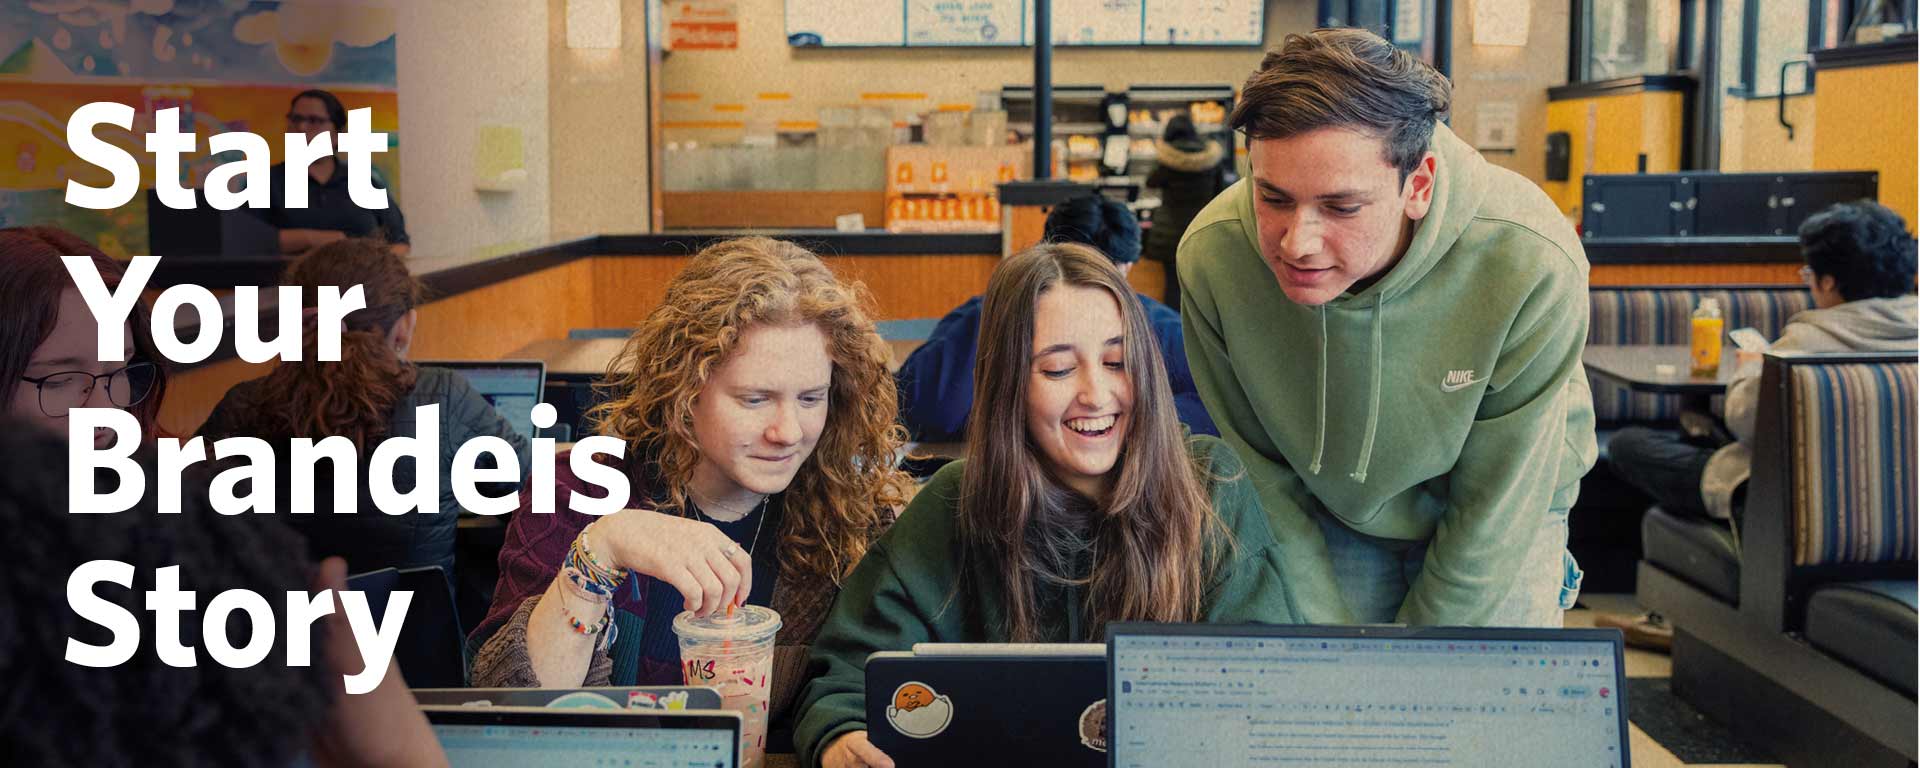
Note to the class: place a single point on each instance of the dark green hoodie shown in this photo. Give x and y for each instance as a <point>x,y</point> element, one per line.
<point>903,592</point>
<point>1446,401</point>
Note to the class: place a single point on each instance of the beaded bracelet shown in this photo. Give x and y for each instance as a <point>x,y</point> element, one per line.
<point>605,622</point>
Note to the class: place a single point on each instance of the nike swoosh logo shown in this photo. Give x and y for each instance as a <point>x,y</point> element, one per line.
<point>1445,387</point>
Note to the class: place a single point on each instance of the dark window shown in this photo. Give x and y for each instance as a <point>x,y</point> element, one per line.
<point>1417,26</point>
<point>1628,38</point>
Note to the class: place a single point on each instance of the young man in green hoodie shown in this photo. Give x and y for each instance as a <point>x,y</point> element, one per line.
<point>1388,329</point>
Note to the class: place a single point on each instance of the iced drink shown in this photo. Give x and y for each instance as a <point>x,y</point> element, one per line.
<point>735,655</point>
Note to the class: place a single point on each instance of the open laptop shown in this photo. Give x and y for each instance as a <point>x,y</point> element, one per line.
<point>509,737</point>
<point>512,387</point>
<point>987,704</point>
<point>1209,695</point>
<point>658,697</point>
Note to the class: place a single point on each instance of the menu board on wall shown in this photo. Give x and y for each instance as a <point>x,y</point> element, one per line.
<point>846,22</point>
<point>964,22</point>
<point>1094,22</point>
<point>1202,22</point>
<point>1008,22</point>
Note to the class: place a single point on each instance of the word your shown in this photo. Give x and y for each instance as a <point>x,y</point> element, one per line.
<point>111,308</point>
<point>167,144</point>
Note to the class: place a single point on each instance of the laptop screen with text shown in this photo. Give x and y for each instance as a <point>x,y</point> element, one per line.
<point>499,737</point>
<point>1188,696</point>
<point>512,387</point>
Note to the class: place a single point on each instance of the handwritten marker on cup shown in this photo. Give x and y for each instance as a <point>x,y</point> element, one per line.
<point>735,655</point>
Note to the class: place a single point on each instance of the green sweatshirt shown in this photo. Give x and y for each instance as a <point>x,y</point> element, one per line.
<point>1445,402</point>
<point>903,592</point>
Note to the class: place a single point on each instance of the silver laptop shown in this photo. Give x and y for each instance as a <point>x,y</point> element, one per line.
<point>1209,695</point>
<point>509,737</point>
<point>512,387</point>
<point>659,697</point>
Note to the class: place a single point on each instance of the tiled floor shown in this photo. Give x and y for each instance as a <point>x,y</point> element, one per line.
<point>1646,752</point>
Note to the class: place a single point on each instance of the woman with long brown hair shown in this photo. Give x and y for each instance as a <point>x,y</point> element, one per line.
<point>370,394</point>
<point>759,422</point>
<point>49,363</point>
<point>1080,503</point>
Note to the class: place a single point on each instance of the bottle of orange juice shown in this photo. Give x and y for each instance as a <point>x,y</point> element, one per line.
<point>1708,327</point>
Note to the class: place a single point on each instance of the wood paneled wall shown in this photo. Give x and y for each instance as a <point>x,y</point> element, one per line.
<point>626,288</point>
<point>492,321</point>
<point>774,209</point>
<point>192,394</point>
<point>1693,274</point>
<point>483,324</point>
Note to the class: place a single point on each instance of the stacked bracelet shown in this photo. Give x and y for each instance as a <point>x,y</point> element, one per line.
<point>594,581</point>
<point>587,572</point>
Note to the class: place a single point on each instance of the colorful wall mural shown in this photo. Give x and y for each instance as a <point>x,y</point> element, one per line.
<point>229,65</point>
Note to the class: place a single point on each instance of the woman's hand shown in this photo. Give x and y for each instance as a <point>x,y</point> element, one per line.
<point>852,750</point>
<point>708,569</point>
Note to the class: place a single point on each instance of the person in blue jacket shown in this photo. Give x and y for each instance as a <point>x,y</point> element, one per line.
<point>936,383</point>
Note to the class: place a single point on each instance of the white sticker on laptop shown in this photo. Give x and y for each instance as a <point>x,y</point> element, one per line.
<point>917,711</point>
<point>583,700</point>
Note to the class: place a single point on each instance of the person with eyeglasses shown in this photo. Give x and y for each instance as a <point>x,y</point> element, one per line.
<point>330,214</point>
<point>1860,268</point>
<point>48,361</point>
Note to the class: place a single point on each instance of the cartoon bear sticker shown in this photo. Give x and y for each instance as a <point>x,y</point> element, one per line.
<point>1093,726</point>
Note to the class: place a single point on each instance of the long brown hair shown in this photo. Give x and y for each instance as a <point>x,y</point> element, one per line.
<point>1155,540</point>
<point>354,397</point>
<point>836,500</point>
<point>30,295</point>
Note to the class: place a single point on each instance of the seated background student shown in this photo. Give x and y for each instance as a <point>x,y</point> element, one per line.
<point>1079,503</point>
<point>1860,266</point>
<point>49,362</point>
<point>936,381</point>
<point>760,436</point>
<point>369,395</point>
<point>144,711</point>
<point>330,215</point>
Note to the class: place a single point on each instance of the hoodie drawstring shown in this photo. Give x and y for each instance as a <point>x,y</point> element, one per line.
<point>1373,409</point>
<point>1320,431</point>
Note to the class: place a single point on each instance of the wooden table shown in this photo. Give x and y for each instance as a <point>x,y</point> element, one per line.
<point>585,360</point>
<point>1661,368</point>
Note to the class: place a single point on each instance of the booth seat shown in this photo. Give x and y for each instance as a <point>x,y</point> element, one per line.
<point>1796,626</point>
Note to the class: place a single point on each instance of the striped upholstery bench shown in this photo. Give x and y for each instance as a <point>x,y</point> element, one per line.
<point>1851,453</point>
<point>1822,609</point>
<point>1660,315</point>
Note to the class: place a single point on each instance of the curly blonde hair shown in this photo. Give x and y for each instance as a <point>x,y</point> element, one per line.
<point>838,498</point>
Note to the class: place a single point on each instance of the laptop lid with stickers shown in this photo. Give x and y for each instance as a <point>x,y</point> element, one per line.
<point>989,704</point>
<point>671,698</point>
<point>509,737</point>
